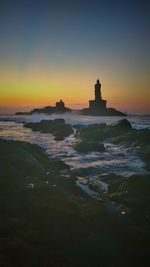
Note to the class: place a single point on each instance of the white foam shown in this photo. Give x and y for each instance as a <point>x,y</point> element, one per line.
<point>74,118</point>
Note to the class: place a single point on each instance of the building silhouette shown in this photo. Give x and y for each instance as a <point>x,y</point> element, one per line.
<point>97,107</point>
<point>60,106</point>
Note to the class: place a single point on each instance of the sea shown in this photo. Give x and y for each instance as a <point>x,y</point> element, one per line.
<point>115,159</point>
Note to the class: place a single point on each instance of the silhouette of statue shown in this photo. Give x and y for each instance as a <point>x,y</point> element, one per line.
<point>98,91</point>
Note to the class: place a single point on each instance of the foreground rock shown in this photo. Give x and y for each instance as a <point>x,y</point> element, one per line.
<point>38,211</point>
<point>91,136</point>
<point>132,192</point>
<point>101,132</point>
<point>57,127</point>
<point>85,147</point>
<point>23,163</point>
<point>137,140</point>
<point>123,125</point>
<point>120,132</point>
<point>52,223</point>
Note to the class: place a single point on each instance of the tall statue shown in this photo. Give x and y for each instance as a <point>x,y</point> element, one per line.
<point>98,91</point>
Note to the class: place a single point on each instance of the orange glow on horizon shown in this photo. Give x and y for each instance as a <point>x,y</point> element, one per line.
<point>35,88</point>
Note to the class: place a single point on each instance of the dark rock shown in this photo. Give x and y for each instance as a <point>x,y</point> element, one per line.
<point>46,223</point>
<point>47,110</point>
<point>23,163</point>
<point>85,147</point>
<point>57,127</point>
<point>105,112</point>
<point>101,132</point>
<point>132,192</point>
<point>92,133</point>
<point>114,112</point>
<point>122,125</point>
<point>138,140</point>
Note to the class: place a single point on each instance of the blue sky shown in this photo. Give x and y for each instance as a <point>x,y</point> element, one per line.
<point>78,36</point>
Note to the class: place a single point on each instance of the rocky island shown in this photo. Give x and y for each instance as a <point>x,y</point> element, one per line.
<point>97,107</point>
<point>58,108</point>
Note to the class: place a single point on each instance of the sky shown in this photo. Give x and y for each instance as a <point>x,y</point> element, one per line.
<point>52,50</point>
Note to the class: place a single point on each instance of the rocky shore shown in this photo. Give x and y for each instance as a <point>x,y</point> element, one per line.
<point>48,220</point>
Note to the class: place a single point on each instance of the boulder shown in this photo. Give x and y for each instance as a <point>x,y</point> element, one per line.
<point>92,133</point>
<point>57,127</point>
<point>123,124</point>
<point>23,163</point>
<point>132,192</point>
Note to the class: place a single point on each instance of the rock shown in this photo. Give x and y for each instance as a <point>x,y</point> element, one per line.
<point>57,127</point>
<point>101,132</point>
<point>132,192</point>
<point>49,225</point>
<point>92,133</point>
<point>100,112</point>
<point>22,163</point>
<point>85,147</point>
<point>46,110</point>
<point>123,124</point>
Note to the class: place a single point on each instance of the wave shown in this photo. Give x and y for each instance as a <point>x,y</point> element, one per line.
<point>74,118</point>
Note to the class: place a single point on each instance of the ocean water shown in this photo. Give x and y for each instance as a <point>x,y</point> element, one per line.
<point>115,159</point>
<point>73,118</point>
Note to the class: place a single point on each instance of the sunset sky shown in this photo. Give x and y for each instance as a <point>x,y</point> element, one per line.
<point>52,50</point>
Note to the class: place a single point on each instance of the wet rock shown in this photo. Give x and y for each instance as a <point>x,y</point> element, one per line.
<point>102,132</point>
<point>46,223</point>
<point>85,147</point>
<point>20,160</point>
<point>57,127</point>
<point>137,140</point>
<point>145,155</point>
<point>123,124</point>
<point>132,192</point>
<point>94,132</point>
